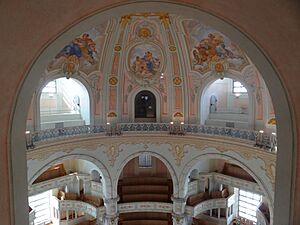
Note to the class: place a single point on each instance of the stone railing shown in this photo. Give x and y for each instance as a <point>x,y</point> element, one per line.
<point>262,140</point>
<point>209,204</point>
<point>85,207</point>
<point>54,183</point>
<point>145,207</point>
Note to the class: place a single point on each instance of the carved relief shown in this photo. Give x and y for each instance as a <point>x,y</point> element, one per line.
<point>112,153</point>
<point>178,153</point>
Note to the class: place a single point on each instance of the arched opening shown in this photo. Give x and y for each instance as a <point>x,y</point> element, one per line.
<point>217,180</point>
<point>145,107</point>
<point>64,103</point>
<point>73,179</point>
<point>225,103</point>
<point>145,179</point>
<point>284,119</point>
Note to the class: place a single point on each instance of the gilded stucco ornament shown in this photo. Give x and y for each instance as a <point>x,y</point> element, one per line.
<point>172,48</point>
<point>113,81</point>
<point>112,153</point>
<point>118,48</point>
<point>178,153</point>
<point>177,80</point>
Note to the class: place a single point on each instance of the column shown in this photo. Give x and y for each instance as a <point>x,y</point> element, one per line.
<point>179,219</point>
<point>111,216</point>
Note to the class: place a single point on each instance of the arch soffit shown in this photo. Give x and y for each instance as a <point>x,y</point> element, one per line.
<point>60,159</point>
<point>171,170</point>
<point>189,166</point>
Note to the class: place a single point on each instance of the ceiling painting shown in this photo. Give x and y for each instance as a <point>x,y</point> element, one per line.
<point>82,53</point>
<point>145,62</point>
<point>211,50</point>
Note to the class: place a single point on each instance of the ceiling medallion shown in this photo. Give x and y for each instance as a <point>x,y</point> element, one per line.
<point>177,80</point>
<point>113,81</point>
<point>118,48</point>
<point>172,48</point>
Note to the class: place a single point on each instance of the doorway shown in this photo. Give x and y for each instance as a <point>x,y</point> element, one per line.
<point>145,107</point>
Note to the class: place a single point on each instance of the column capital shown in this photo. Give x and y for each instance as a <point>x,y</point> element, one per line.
<point>178,205</point>
<point>179,219</point>
<point>111,219</point>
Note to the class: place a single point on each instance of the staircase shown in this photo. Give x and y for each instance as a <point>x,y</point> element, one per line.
<point>60,119</point>
<point>235,120</point>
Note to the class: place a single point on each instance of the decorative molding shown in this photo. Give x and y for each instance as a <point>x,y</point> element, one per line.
<point>113,81</point>
<point>178,153</point>
<point>112,153</point>
<point>177,80</point>
<point>118,48</point>
<point>178,114</point>
<point>172,48</point>
<point>112,114</point>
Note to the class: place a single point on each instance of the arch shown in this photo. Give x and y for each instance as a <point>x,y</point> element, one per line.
<point>54,75</point>
<point>131,101</point>
<point>235,76</point>
<point>160,157</point>
<point>190,166</point>
<point>106,178</point>
<point>146,100</point>
<point>287,147</point>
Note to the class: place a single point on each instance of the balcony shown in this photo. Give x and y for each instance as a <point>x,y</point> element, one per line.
<point>257,139</point>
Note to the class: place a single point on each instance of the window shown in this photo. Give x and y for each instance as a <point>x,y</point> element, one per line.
<point>50,87</point>
<point>41,205</point>
<point>145,160</point>
<point>248,203</point>
<point>237,87</point>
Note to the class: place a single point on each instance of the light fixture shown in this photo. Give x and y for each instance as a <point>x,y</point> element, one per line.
<point>27,132</point>
<point>273,133</point>
<point>261,131</point>
<point>237,95</point>
<point>181,123</point>
<point>108,123</point>
<point>162,76</point>
<point>172,122</point>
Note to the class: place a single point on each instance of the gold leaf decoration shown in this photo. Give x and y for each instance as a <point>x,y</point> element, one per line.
<point>113,81</point>
<point>177,80</point>
<point>112,114</point>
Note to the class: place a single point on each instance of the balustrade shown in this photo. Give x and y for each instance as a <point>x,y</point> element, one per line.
<point>259,139</point>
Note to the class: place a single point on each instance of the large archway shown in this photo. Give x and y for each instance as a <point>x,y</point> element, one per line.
<point>284,179</point>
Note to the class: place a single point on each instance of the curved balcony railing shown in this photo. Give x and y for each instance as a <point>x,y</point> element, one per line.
<point>261,140</point>
<point>145,207</point>
<point>80,206</point>
<point>209,204</point>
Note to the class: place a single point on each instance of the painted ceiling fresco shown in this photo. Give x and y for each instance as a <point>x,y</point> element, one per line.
<point>211,50</point>
<point>144,60</point>
<point>207,49</point>
<point>82,53</point>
